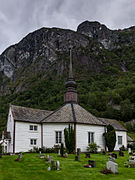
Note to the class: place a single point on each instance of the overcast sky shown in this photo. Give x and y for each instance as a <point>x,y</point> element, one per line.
<point>20,17</point>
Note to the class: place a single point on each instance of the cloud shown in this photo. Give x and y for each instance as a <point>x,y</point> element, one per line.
<point>19,17</point>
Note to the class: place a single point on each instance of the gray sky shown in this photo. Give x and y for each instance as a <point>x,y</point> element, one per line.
<point>20,17</point>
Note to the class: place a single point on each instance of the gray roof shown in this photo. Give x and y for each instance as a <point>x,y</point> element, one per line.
<point>70,113</point>
<point>116,125</point>
<point>130,139</point>
<point>28,114</point>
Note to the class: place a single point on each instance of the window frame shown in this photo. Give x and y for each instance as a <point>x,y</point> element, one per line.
<point>33,128</point>
<point>58,137</point>
<point>33,142</point>
<point>91,137</point>
<point>120,140</point>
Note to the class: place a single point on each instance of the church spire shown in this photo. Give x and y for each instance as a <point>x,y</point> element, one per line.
<point>70,95</point>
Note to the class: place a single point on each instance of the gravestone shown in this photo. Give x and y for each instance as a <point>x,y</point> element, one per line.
<point>114,155</point>
<point>121,153</point>
<point>49,168</point>
<point>112,166</point>
<point>59,152</point>
<point>66,155</point>
<point>88,155</point>
<point>42,156</point>
<point>47,156</point>
<point>40,153</point>
<point>57,165</point>
<point>76,158</point>
<point>50,159</point>
<point>78,151</point>
<point>132,160</point>
<point>53,164</point>
<point>129,150</point>
<point>20,155</point>
<point>92,163</point>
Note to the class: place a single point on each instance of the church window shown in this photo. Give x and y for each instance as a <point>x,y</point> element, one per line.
<point>58,137</point>
<point>33,128</point>
<point>90,137</point>
<point>120,140</point>
<point>33,141</point>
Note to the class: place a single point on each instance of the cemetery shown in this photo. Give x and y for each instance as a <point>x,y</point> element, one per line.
<point>73,166</point>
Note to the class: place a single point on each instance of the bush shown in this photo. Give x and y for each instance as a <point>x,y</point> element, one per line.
<point>92,147</point>
<point>110,138</point>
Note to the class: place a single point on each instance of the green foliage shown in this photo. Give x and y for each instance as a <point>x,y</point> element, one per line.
<point>110,138</point>
<point>0,151</point>
<point>92,147</point>
<point>69,135</point>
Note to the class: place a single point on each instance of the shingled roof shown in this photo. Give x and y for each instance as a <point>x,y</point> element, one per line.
<point>70,113</point>
<point>116,125</point>
<point>28,114</point>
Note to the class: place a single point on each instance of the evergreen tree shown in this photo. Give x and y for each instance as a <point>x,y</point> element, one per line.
<point>110,138</point>
<point>0,151</point>
<point>69,135</point>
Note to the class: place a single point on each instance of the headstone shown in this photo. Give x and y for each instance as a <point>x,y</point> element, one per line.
<point>42,156</point>
<point>20,155</point>
<point>77,158</point>
<point>132,160</point>
<point>59,152</point>
<point>129,150</point>
<point>40,153</point>
<point>78,151</point>
<point>49,168</point>
<point>114,155</point>
<point>50,159</point>
<point>47,156</point>
<point>121,153</point>
<point>53,164</point>
<point>57,165</point>
<point>92,163</point>
<point>88,155</point>
<point>66,155</point>
<point>112,166</point>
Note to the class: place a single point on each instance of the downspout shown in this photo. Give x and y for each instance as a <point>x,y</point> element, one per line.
<point>41,135</point>
<point>14,138</point>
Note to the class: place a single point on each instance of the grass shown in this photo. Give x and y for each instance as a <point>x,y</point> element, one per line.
<point>31,167</point>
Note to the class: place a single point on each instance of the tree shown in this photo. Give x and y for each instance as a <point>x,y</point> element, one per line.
<point>69,135</point>
<point>110,138</point>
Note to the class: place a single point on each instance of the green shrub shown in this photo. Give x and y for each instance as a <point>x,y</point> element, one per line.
<point>69,135</point>
<point>110,138</point>
<point>92,147</point>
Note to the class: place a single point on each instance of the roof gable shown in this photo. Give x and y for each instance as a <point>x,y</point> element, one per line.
<point>28,114</point>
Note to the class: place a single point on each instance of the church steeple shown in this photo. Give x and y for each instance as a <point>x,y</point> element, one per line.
<point>70,95</point>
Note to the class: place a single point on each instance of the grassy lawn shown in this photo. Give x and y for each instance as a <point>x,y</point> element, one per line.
<point>33,168</point>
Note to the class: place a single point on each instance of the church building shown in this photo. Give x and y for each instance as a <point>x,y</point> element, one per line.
<point>28,127</point>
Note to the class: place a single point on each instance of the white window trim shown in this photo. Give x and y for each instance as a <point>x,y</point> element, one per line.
<point>33,145</point>
<point>121,140</point>
<point>33,131</point>
<point>58,137</point>
<point>93,137</point>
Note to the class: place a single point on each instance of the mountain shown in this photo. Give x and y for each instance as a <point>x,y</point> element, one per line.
<point>33,72</point>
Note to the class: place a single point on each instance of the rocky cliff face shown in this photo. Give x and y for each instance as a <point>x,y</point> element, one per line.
<point>45,52</point>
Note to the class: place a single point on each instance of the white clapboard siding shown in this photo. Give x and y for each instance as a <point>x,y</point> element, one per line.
<point>10,128</point>
<point>49,133</point>
<point>124,139</point>
<point>82,136</point>
<point>23,136</point>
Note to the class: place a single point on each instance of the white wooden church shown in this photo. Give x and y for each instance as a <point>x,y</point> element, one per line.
<point>27,127</point>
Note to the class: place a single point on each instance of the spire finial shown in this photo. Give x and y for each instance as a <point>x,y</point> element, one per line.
<point>70,66</point>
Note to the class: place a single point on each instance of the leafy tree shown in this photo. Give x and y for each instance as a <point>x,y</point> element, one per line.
<point>69,135</point>
<point>110,138</point>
